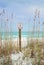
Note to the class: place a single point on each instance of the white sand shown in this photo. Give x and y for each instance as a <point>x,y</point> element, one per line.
<point>23,41</point>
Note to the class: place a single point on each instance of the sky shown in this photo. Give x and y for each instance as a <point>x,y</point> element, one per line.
<point>20,11</point>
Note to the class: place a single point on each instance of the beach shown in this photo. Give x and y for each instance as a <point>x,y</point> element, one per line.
<point>24,41</point>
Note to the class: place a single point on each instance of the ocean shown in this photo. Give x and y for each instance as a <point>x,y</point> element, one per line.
<point>23,34</point>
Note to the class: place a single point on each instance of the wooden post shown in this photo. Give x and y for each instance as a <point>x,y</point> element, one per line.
<point>19,28</point>
<point>20,39</point>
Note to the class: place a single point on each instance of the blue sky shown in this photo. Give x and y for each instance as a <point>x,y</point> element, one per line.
<point>23,11</point>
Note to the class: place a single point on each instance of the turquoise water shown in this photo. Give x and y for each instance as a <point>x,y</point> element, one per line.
<point>24,34</point>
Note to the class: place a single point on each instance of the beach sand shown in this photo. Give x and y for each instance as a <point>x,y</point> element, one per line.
<point>24,41</point>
